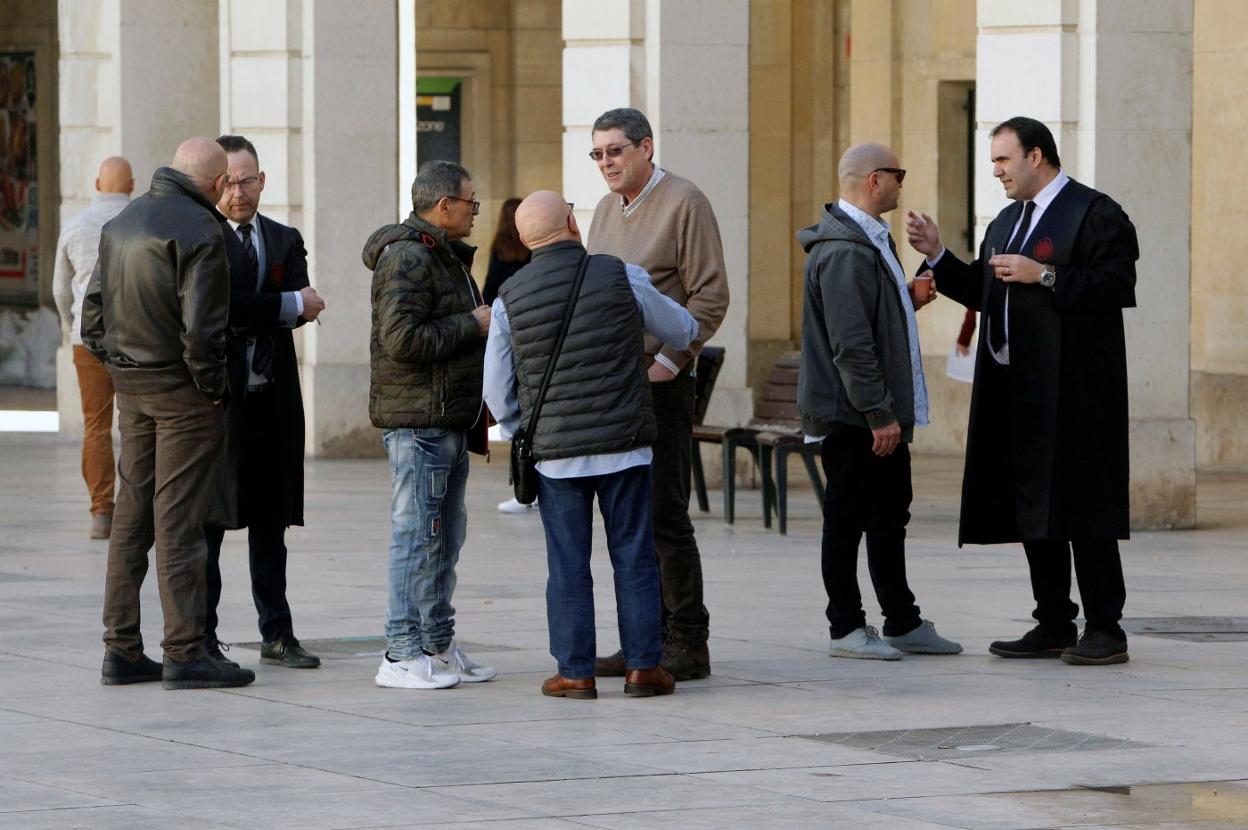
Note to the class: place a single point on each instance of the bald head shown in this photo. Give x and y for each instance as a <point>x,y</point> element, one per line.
<point>543,218</point>
<point>115,176</point>
<point>204,161</point>
<point>867,178</point>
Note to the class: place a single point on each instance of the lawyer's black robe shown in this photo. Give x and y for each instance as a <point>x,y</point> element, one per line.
<point>1047,452</point>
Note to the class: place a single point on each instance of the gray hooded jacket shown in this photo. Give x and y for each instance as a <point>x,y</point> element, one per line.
<point>855,367</point>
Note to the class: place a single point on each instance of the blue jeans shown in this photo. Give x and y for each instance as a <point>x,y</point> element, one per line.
<point>428,473</point>
<point>567,508</point>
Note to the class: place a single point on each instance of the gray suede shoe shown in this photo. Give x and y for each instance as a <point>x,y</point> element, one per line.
<point>924,640</point>
<point>864,644</point>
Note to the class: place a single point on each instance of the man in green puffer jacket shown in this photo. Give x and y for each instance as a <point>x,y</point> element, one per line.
<point>427,349</point>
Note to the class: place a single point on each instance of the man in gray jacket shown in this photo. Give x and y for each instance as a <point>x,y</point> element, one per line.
<point>861,393</point>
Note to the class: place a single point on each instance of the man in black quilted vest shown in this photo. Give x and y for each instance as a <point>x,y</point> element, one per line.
<point>594,436</point>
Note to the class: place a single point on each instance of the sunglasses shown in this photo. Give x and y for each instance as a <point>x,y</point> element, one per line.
<point>896,171</point>
<point>613,151</point>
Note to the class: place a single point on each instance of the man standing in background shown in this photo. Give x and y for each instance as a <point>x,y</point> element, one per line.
<point>76,253</point>
<point>664,223</point>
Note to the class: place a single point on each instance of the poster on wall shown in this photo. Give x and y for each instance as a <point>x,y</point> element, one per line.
<point>437,119</point>
<point>19,190</point>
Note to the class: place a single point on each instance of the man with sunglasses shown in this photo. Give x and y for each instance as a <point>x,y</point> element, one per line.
<point>663,223</point>
<point>861,393</point>
<point>427,348</point>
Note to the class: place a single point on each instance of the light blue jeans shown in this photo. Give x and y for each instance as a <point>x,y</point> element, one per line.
<point>428,473</point>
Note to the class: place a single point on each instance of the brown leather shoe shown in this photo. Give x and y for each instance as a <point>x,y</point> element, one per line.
<point>581,688</point>
<point>648,682</point>
<point>612,666</point>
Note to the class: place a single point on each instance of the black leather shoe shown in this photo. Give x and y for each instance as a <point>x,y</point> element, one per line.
<point>1096,648</point>
<point>204,672</point>
<point>214,649</point>
<point>286,651</point>
<point>1039,643</point>
<point>118,671</point>
<point>612,666</point>
<point>685,662</point>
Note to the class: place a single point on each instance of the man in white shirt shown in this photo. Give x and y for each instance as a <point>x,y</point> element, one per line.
<point>76,253</point>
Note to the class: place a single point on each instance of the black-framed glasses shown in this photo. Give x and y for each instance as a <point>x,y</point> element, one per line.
<point>611,151</point>
<point>476,206</point>
<point>896,171</point>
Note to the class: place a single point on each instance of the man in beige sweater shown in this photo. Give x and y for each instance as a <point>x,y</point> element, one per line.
<point>656,219</point>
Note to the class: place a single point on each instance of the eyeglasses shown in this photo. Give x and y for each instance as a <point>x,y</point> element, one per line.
<point>247,183</point>
<point>476,206</point>
<point>611,151</point>
<point>896,171</point>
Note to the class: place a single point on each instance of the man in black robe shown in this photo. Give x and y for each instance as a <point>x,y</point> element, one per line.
<point>1047,455</point>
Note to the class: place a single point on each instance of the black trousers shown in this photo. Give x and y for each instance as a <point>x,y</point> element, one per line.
<point>263,507</point>
<point>685,616</point>
<point>867,495</point>
<point>1098,568</point>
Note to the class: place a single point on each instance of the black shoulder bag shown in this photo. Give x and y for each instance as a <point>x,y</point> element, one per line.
<point>523,464</point>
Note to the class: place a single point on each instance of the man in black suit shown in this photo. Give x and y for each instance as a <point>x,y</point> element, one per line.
<point>1046,454</point>
<point>263,466</point>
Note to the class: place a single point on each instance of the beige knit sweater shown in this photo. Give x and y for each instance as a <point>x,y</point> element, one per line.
<point>672,233</point>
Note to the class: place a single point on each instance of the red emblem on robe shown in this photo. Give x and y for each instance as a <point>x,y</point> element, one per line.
<point>277,273</point>
<point>427,239</point>
<point>1043,250</point>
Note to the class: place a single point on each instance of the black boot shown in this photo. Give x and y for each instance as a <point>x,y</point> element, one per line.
<point>1097,648</point>
<point>204,672</point>
<point>1038,643</point>
<point>118,671</point>
<point>286,651</point>
<point>684,661</point>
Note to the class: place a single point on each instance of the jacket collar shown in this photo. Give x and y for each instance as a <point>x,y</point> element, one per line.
<point>561,245</point>
<point>459,249</point>
<point>169,182</point>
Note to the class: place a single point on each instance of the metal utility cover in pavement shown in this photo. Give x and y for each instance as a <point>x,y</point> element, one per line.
<point>1190,629</point>
<point>346,648</point>
<point>951,742</point>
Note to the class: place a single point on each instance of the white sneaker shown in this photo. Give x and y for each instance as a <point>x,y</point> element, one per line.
<point>865,644</point>
<point>454,662</point>
<point>513,506</point>
<point>418,673</point>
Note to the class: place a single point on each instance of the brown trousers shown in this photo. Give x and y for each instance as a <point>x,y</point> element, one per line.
<point>170,448</point>
<point>98,468</point>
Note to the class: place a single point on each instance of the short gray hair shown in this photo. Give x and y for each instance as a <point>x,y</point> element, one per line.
<point>434,180</point>
<point>634,125</point>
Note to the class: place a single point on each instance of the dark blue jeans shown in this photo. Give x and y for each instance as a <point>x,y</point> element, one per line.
<point>567,508</point>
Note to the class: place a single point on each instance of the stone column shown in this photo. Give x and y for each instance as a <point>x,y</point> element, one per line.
<point>350,178</point>
<point>136,78</point>
<point>1113,81</point>
<point>656,55</point>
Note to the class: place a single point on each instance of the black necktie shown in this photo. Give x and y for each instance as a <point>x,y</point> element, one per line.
<point>262,356</point>
<point>997,290</point>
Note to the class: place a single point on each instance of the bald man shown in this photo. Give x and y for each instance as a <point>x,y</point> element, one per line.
<point>861,394</point>
<point>594,437</point>
<point>155,314</point>
<point>77,250</point>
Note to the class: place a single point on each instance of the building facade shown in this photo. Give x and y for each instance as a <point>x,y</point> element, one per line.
<point>753,100</point>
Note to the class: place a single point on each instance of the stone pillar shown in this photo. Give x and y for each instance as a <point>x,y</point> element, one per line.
<point>350,178</point>
<point>656,55</point>
<point>136,78</point>
<point>1114,83</point>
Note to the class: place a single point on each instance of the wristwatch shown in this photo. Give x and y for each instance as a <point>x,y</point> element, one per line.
<point>1048,276</point>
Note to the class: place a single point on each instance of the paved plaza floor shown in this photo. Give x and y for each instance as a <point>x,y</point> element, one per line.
<point>779,736</point>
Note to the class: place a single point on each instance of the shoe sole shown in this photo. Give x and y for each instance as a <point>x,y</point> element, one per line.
<point>689,674</point>
<point>422,687</point>
<point>853,655</point>
<point>635,690</point>
<point>128,681</point>
<point>1047,654</point>
<point>205,684</point>
<point>1078,660</point>
<point>472,678</point>
<point>277,661</point>
<point>927,651</point>
<point>574,694</point>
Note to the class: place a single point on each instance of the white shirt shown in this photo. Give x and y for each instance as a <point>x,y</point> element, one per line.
<point>77,250</point>
<point>1042,199</point>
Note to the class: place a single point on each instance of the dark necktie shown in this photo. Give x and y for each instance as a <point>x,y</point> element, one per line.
<point>262,356</point>
<point>997,290</point>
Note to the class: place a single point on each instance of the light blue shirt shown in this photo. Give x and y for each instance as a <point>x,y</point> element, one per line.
<point>661,316</point>
<point>877,231</point>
